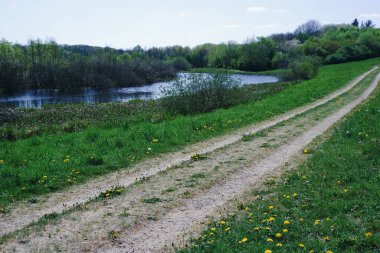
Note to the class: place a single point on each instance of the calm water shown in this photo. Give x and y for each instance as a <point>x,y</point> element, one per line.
<point>39,97</point>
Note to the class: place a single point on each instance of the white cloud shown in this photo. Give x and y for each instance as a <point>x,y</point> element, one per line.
<point>256,9</point>
<point>231,26</point>
<point>266,26</point>
<point>280,11</point>
<point>370,15</point>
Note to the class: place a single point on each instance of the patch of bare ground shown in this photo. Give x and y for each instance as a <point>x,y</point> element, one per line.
<point>23,213</point>
<point>156,212</point>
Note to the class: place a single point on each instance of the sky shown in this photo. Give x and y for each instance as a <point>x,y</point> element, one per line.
<point>127,23</point>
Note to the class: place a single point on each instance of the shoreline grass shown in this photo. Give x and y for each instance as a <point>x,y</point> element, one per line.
<point>329,204</point>
<point>47,163</point>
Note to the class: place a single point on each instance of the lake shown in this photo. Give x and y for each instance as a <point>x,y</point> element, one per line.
<point>38,97</point>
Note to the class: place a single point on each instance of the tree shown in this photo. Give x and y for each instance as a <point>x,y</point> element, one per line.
<point>367,24</point>
<point>308,29</point>
<point>355,22</point>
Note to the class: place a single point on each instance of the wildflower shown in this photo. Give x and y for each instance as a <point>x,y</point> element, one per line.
<point>301,245</point>
<point>149,149</point>
<point>222,222</point>
<point>345,190</point>
<point>1,161</point>
<point>245,239</point>
<point>227,229</point>
<point>271,219</point>
<point>303,206</point>
<point>285,230</point>
<point>268,251</point>
<point>278,235</point>
<point>286,223</point>
<point>271,207</point>
<point>301,219</point>
<point>155,140</point>
<point>269,240</point>
<point>211,234</point>
<point>279,244</point>
<point>326,238</point>
<point>306,150</point>
<point>44,177</point>
<point>368,234</point>
<point>267,228</point>
<point>316,222</point>
<point>66,160</point>
<point>329,251</point>
<point>213,229</point>
<point>295,194</point>
<point>287,197</point>
<point>256,228</point>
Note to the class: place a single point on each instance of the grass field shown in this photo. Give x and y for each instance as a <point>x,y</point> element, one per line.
<point>330,204</point>
<point>51,161</point>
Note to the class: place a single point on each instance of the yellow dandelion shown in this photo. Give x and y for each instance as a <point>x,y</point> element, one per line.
<point>256,228</point>
<point>301,245</point>
<point>1,161</point>
<point>345,190</point>
<point>316,222</point>
<point>279,244</point>
<point>329,251</point>
<point>326,238</point>
<point>245,239</point>
<point>368,234</point>
<point>278,235</point>
<point>295,194</point>
<point>66,160</point>
<point>271,207</point>
<point>301,219</point>
<point>269,240</point>
<point>306,150</point>
<point>268,251</point>
<point>211,234</point>
<point>213,229</point>
<point>227,229</point>
<point>222,222</point>
<point>285,230</point>
<point>271,219</point>
<point>286,223</point>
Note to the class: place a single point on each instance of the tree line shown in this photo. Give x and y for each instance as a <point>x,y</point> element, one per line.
<point>45,64</point>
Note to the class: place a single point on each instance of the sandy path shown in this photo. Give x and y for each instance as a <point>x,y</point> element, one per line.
<point>149,227</point>
<point>24,213</point>
<point>155,235</point>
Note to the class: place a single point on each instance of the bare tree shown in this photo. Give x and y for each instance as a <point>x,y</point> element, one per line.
<point>308,29</point>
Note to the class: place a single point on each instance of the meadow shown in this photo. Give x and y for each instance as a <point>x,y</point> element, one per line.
<point>55,156</point>
<point>329,204</point>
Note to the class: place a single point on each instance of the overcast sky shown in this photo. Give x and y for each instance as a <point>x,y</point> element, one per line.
<point>127,23</point>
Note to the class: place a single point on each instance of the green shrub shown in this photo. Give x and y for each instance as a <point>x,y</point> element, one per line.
<point>303,68</point>
<point>199,93</point>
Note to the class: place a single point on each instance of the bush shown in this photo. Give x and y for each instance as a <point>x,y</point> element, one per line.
<point>303,68</point>
<point>197,93</point>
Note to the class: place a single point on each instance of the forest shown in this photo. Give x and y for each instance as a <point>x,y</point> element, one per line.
<point>45,64</point>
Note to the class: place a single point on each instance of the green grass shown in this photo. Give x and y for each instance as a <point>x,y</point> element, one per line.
<point>332,202</point>
<point>48,162</point>
<point>276,72</point>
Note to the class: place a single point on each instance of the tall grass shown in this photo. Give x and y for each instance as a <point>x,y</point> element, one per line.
<point>49,162</point>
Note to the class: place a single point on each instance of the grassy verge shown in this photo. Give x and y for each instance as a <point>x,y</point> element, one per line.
<point>47,162</point>
<point>330,204</point>
<point>276,72</point>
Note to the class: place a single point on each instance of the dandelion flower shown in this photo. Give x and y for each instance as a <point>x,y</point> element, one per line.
<point>268,251</point>
<point>213,229</point>
<point>295,194</point>
<point>279,244</point>
<point>286,223</point>
<point>301,245</point>
<point>285,230</point>
<point>345,190</point>
<point>316,222</point>
<point>326,238</point>
<point>1,161</point>
<point>227,229</point>
<point>269,240</point>
<point>368,234</point>
<point>278,235</point>
<point>271,207</point>
<point>222,222</point>
<point>245,239</point>
<point>271,219</point>
<point>329,251</point>
<point>256,228</point>
<point>66,160</point>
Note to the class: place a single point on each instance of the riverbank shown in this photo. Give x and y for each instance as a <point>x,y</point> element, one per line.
<point>47,162</point>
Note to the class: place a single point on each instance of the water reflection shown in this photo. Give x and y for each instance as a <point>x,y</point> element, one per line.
<point>37,98</point>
